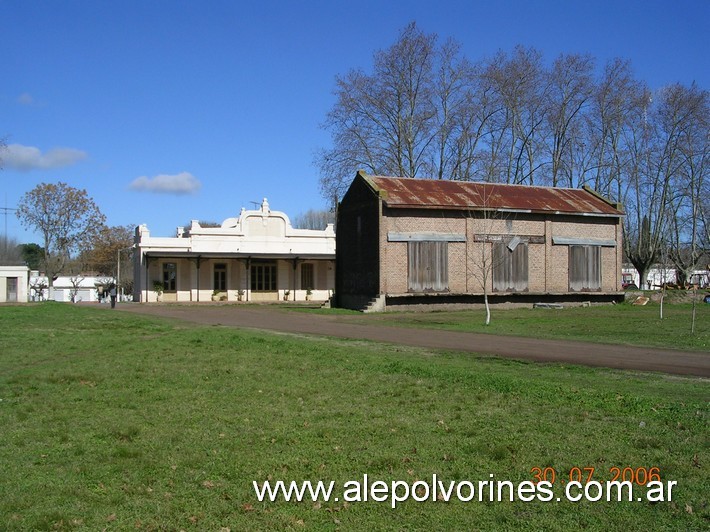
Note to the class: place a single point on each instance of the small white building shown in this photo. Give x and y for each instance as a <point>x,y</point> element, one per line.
<point>69,288</point>
<point>80,288</point>
<point>257,256</point>
<point>13,283</point>
<point>658,275</point>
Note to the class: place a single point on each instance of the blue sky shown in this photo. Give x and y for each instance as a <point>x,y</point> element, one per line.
<point>167,111</point>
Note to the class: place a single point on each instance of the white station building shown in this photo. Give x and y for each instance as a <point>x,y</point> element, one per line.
<point>257,256</point>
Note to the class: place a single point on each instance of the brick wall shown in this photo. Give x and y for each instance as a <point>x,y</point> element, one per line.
<point>547,263</point>
<point>393,266</point>
<point>578,227</point>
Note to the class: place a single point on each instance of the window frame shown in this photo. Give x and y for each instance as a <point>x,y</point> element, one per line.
<point>263,276</point>
<point>219,277</point>
<point>307,276</point>
<point>169,283</point>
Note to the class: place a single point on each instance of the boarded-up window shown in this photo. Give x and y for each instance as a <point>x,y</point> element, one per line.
<point>428,266</point>
<point>585,268</point>
<point>510,267</point>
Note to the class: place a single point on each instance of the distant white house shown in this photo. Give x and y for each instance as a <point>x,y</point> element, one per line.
<point>659,274</point>
<point>79,288</point>
<point>13,283</point>
<point>69,288</point>
<point>257,256</point>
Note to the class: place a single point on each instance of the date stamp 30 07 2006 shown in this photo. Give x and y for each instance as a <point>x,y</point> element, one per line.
<point>639,475</point>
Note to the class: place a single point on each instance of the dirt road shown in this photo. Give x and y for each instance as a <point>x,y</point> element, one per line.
<point>343,326</point>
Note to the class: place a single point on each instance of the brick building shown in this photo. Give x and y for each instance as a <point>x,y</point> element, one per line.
<point>407,241</point>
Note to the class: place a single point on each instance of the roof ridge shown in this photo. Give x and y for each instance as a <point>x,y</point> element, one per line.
<point>461,181</point>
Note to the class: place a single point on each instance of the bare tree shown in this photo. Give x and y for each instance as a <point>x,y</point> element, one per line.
<point>38,286</point>
<point>690,179</point>
<point>313,219</point>
<point>427,111</point>
<point>704,226</point>
<point>482,261</point>
<point>521,86</point>
<point>492,153</point>
<point>65,216</point>
<point>664,169</point>
<point>399,120</point>
<point>204,223</point>
<point>570,88</point>
<point>457,115</point>
<point>10,251</point>
<point>618,98</point>
<point>380,122</point>
<point>75,281</point>
<point>491,247</point>
<point>646,200</point>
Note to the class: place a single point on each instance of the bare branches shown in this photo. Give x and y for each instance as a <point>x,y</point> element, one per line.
<point>667,176</point>
<point>313,219</point>
<point>689,109</point>
<point>427,111</point>
<point>398,120</point>
<point>10,251</point>
<point>570,89</point>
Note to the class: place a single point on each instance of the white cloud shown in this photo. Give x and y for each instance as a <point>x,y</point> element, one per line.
<point>25,99</point>
<point>182,183</point>
<point>26,158</point>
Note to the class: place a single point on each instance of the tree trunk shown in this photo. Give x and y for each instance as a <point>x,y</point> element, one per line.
<point>643,273</point>
<point>48,270</point>
<point>642,261</point>
<point>488,307</point>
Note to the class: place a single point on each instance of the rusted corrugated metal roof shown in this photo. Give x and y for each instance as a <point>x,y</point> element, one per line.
<point>398,192</point>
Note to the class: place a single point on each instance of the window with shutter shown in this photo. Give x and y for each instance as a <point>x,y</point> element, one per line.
<point>428,266</point>
<point>585,268</point>
<point>510,267</point>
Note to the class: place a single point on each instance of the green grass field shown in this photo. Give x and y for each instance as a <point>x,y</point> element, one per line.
<point>614,324</point>
<point>115,421</point>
